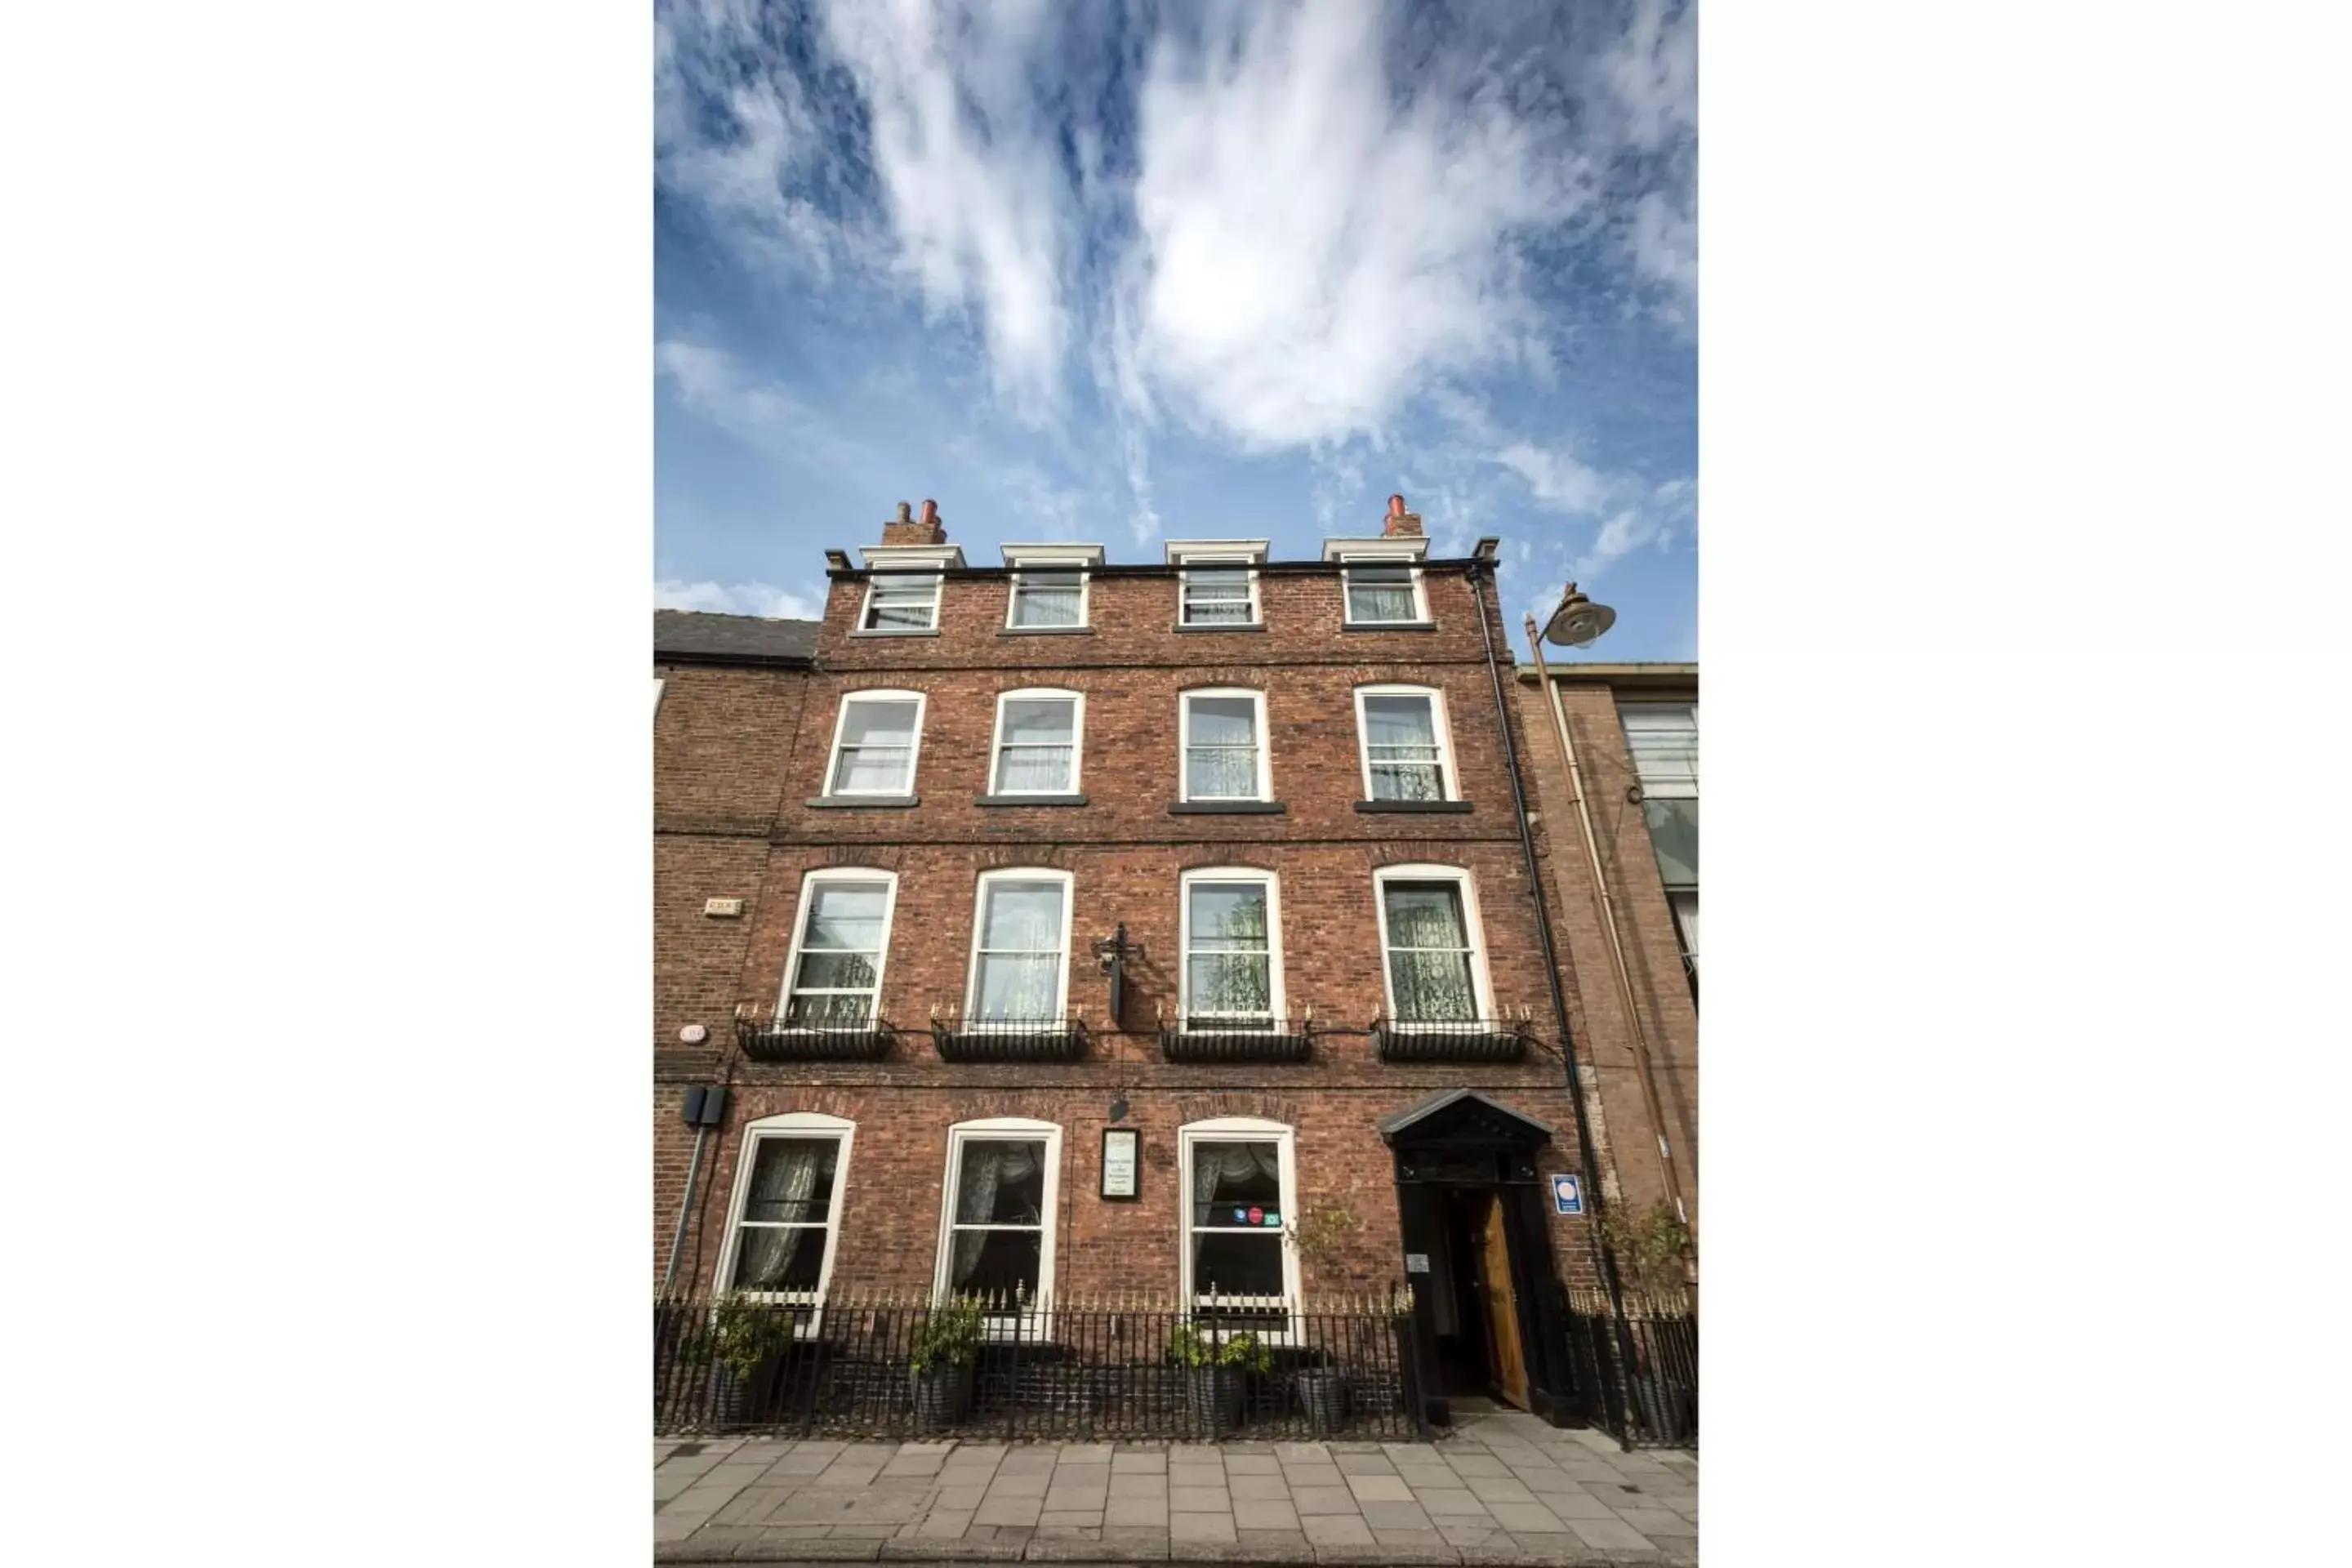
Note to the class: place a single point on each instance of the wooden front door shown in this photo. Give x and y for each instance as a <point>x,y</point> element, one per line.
<point>1501,1305</point>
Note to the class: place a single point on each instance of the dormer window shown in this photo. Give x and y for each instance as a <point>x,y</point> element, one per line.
<point>1047,599</point>
<point>1383,592</point>
<point>901,602</point>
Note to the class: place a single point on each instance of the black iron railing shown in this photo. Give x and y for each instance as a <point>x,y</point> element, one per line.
<point>1008,1040</point>
<point>1642,1389</point>
<point>850,1040</point>
<point>1188,1038</point>
<point>1043,1368</point>
<point>1451,1039</point>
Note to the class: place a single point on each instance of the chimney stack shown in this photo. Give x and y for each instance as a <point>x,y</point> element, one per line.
<point>1399,522</point>
<point>905,529</point>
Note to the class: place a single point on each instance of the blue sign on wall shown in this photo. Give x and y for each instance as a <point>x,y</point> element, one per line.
<point>1567,1194</point>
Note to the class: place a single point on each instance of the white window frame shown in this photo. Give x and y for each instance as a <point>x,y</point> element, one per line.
<point>971,1020</point>
<point>1449,783</point>
<point>1349,562</point>
<point>1272,883</point>
<point>809,885</point>
<point>790,1124</point>
<point>1480,981</point>
<point>1234,1129</point>
<point>1086,594</point>
<point>1008,1128</point>
<point>657,694</point>
<point>841,723</point>
<point>866,609</point>
<point>1184,743</point>
<point>1217,563</point>
<point>1077,700</point>
<point>1662,789</point>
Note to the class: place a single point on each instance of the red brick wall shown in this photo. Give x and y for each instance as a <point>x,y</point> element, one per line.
<point>1126,852</point>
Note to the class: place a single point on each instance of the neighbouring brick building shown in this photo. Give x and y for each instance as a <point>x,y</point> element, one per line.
<point>898,853</point>
<point>1634,727</point>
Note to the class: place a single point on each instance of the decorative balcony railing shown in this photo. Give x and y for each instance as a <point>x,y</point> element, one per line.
<point>1452,1040</point>
<point>826,1040</point>
<point>1194,1037</point>
<point>960,1039</point>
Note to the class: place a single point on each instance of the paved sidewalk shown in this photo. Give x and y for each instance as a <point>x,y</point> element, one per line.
<point>1500,1488</point>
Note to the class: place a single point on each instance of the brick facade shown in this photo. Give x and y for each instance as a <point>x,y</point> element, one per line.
<point>741,752</point>
<point>1662,992</point>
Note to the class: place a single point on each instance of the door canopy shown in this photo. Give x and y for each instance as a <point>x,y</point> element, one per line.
<point>1463,1118</point>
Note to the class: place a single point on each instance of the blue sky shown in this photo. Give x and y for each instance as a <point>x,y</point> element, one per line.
<point>1130,272</point>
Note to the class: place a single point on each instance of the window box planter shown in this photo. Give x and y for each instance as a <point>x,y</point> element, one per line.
<point>1453,1040</point>
<point>766,1040</point>
<point>1289,1040</point>
<point>1009,1040</point>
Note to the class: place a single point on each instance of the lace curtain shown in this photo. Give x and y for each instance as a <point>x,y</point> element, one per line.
<point>781,1183</point>
<point>1213,1164</point>
<point>1433,983</point>
<point>1021,952</point>
<point>986,1167</point>
<point>1231,966</point>
<point>1400,742</point>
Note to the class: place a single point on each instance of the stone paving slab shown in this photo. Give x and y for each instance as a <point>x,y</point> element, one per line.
<point>1497,1490</point>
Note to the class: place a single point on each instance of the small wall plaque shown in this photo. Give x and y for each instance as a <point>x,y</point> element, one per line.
<point>1120,1161</point>
<point>1416,1263</point>
<point>723,909</point>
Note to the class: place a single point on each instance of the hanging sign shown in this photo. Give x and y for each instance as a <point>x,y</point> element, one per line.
<point>1567,1194</point>
<point>1119,1161</point>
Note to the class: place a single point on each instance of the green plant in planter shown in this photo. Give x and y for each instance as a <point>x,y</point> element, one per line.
<point>949,1337</point>
<point>742,1334</point>
<point>1194,1346</point>
<point>1650,1245</point>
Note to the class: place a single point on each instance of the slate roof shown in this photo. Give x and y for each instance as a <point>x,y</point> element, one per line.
<point>699,635</point>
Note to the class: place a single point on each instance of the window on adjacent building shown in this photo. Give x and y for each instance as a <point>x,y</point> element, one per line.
<point>834,976</point>
<point>1219,596</point>
<point>1224,746</point>
<point>1433,968</point>
<point>1404,741</point>
<point>1664,740</point>
<point>1021,945</point>
<point>1383,592</point>
<point>1232,936</point>
<point>874,742</point>
<point>657,691</point>
<point>996,1231</point>
<point>1240,1189</point>
<point>1036,747</point>
<point>785,1213</point>
<point>901,602</point>
<point>1685,903</point>
<point>1049,599</point>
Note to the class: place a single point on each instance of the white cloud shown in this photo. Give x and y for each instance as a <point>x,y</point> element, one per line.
<point>1651,77</point>
<point>979,203</point>
<point>1318,239</point>
<point>1557,479</point>
<point>755,410</point>
<point>740,599</point>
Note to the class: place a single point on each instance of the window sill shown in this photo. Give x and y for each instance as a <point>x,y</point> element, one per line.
<point>1028,800</point>
<point>1388,626</point>
<point>861,801</point>
<point>1450,807</point>
<point>1045,631</point>
<point>1226,808</point>
<point>1225,627</point>
<point>894,631</point>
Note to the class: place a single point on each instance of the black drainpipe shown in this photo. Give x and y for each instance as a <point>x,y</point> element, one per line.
<point>1551,975</point>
